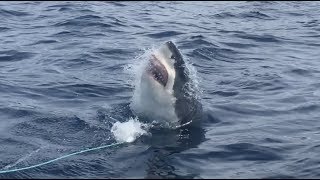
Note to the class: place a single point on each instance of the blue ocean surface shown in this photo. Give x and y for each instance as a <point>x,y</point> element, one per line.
<point>65,81</point>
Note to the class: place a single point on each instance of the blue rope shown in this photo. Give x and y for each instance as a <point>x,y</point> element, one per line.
<point>62,157</point>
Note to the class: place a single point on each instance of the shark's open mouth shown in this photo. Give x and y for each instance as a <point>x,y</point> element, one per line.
<point>157,70</point>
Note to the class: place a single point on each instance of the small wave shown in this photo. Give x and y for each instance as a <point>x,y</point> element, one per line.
<point>301,72</point>
<point>109,51</point>
<point>224,15</point>
<point>260,38</point>
<point>76,23</point>
<point>83,22</point>
<point>10,13</point>
<point>44,42</point>
<point>225,93</point>
<point>197,40</point>
<point>253,110</point>
<point>76,91</point>
<point>88,17</point>
<point>18,112</point>
<point>65,9</point>
<point>164,34</point>
<point>78,63</point>
<point>239,45</point>
<point>63,33</point>
<point>215,53</point>
<point>4,29</point>
<point>60,5</point>
<point>238,152</point>
<point>230,31</point>
<point>117,4</point>
<point>211,118</point>
<point>13,55</point>
<point>255,14</point>
<point>252,152</point>
<point>259,85</point>
<point>312,23</point>
<point>67,34</point>
<point>306,108</point>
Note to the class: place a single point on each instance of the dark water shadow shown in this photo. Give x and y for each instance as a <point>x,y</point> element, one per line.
<point>164,144</point>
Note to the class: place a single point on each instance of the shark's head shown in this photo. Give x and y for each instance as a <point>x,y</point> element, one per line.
<point>164,65</point>
<point>162,87</point>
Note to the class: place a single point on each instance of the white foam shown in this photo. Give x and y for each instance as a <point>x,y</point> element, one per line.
<point>128,131</point>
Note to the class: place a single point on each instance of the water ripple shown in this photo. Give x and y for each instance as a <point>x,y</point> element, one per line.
<point>13,55</point>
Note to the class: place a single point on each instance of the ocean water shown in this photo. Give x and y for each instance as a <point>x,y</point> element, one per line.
<point>65,86</point>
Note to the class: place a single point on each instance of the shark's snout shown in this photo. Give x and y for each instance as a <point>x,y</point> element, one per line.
<point>175,53</point>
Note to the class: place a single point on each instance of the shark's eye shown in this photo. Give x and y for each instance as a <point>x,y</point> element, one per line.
<point>172,57</point>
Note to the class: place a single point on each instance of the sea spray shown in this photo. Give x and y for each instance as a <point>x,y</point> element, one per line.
<point>129,131</point>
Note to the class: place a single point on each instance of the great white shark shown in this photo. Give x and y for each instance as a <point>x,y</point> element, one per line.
<point>166,92</point>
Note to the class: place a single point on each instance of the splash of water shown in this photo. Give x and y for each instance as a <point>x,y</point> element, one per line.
<point>129,131</point>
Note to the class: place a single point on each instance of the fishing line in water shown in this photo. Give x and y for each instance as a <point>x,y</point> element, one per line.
<point>62,157</point>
